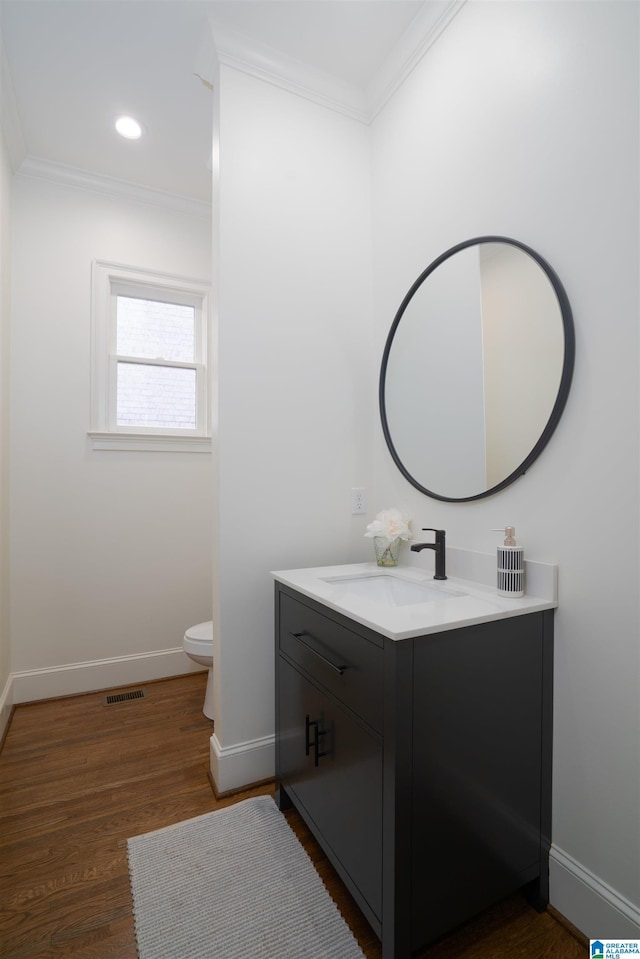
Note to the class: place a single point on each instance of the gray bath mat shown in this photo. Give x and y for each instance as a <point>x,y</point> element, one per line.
<point>233,884</point>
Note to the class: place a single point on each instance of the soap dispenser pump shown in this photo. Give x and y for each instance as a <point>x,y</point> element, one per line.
<point>510,565</point>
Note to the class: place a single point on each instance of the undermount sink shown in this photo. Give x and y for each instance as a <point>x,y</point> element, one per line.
<point>387,589</point>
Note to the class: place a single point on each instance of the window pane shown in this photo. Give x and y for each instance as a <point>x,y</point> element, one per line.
<point>156,330</point>
<point>156,396</point>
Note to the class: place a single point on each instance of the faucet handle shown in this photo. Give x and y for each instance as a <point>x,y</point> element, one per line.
<point>430,529</point>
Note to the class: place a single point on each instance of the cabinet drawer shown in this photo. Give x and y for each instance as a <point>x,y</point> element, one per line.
<point>345,663</point>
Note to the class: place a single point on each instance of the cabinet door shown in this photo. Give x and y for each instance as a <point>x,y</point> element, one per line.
<point>341,796</point>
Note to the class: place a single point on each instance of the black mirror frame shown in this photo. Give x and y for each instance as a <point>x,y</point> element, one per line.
<point>565,379</point>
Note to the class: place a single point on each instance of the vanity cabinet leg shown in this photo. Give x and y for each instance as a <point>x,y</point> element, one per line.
<point>282,800</point>
<point>396,946</point>
<point>537,895</point>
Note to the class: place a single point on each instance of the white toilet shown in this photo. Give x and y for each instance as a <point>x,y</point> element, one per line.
<point>198,645</point>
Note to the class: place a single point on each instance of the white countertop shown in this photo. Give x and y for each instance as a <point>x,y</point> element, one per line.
<point>464,602</point>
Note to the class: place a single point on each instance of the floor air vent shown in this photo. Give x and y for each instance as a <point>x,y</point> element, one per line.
<point>114,698</point>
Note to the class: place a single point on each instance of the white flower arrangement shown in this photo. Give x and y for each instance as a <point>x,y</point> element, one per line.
<point>390,524</point>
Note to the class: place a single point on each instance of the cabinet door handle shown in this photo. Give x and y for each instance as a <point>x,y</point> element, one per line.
<point>308,723</point>
<point>339,668</point>
<point>317,733</point>
<point>316,743</point>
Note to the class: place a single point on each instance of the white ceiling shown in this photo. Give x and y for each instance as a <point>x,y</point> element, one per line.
<point>77,64</point>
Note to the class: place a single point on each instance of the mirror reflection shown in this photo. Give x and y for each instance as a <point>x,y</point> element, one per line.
<point>476,369</point>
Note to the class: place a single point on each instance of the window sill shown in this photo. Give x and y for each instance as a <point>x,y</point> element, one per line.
<point>150,442</point>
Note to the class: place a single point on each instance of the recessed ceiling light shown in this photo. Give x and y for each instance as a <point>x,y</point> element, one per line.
<point>129,128</point>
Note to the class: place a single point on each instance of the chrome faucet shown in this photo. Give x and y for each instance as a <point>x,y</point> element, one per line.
<point>438,546</point>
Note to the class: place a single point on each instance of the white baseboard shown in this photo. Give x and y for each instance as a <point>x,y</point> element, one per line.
<point>33,684</point>
<point>233,767</point>
<point>6,705</point>
<point>596,909</point>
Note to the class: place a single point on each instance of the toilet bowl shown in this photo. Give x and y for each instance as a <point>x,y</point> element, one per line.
<point>198,645</point>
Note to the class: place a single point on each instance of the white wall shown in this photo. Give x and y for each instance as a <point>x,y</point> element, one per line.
<point>110,551</point>
<point>523,121</point>
<point>295,414</point>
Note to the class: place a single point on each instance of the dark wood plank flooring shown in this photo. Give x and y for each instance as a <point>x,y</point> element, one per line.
<point>77,778</point>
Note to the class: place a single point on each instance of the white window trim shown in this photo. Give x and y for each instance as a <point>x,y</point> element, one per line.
<point>110,278</point>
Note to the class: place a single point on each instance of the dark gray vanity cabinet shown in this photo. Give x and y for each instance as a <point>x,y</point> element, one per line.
<point>422,766</point>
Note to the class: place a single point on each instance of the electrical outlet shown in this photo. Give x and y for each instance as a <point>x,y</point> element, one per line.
<point>358,501</point>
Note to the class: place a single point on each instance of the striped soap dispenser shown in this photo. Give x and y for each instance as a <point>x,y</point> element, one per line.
<point>510,565</point>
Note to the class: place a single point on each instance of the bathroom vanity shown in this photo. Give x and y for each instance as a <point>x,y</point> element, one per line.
<point>413,735</point>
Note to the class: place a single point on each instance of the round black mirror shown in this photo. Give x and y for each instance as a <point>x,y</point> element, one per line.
<point>476,369</point>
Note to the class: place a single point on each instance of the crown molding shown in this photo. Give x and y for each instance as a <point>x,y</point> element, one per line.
<point>259,60</point>
<point>41,169</point>
<point>9,114</point>
<point>426,27</point>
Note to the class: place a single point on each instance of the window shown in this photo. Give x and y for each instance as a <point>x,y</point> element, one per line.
<point>149,361</point>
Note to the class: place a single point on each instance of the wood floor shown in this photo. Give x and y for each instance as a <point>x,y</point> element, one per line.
<point>77,778</point>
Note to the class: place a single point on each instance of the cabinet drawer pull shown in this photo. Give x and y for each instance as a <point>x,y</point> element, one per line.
<point>338,668</point>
